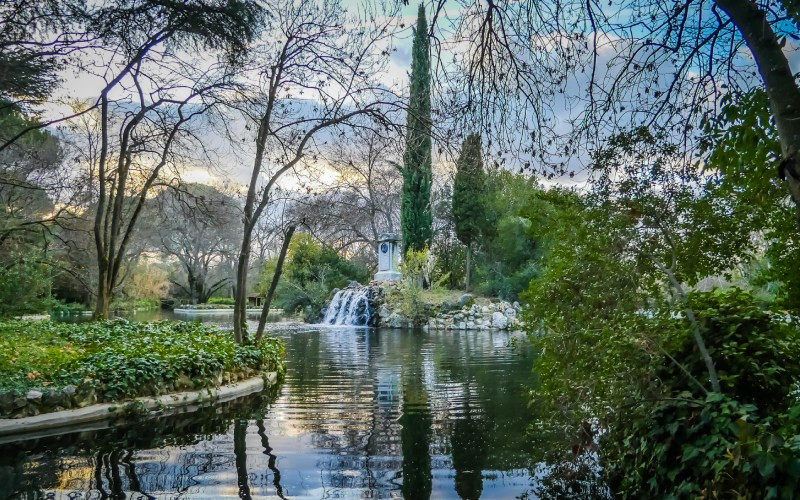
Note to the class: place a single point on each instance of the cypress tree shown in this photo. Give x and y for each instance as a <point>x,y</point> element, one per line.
<point>417,221</point>
<point>469,213</point>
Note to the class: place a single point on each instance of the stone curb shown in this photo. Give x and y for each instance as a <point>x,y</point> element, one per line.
<point>220,311</point>
<point>103,411</point>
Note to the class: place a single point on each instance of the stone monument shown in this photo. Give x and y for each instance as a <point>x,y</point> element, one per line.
<point>388,258</point>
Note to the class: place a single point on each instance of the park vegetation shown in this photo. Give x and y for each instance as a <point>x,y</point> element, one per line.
<point>651,236</point>
<point>116,360</point>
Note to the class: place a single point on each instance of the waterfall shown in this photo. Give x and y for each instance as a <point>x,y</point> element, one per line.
<point>350,306</point>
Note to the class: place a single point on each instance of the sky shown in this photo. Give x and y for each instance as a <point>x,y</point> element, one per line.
<point>236,167</point>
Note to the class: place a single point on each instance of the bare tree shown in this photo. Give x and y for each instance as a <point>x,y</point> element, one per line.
<point>317,65</point>
<point>199,228</point>
<point>363,200</point>
<point>562,75</point>
<point>151,91</point>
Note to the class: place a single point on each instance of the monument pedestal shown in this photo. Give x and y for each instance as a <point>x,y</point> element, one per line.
<point>388,258</point>
<point>388,276</point>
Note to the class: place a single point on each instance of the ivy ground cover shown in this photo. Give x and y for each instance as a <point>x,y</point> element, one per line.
<point>119,359</point>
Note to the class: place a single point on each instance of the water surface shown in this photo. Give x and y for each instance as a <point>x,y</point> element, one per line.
<point>362,413</point>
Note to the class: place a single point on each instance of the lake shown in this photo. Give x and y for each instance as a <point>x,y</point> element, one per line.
<point>362,413</point>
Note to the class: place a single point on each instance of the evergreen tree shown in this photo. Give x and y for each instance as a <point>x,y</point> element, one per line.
<point>416,213</point>
<point>469,212</point>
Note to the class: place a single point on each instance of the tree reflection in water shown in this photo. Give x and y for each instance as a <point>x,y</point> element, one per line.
<point>367,413</point>
<point>416,425</point>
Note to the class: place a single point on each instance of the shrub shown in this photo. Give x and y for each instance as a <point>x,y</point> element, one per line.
<point>416,268</point>
<point>712,448</point>
<point>135,304</point>
<point>66,308</point>
<point>660,432</point>
<point>221,300</point>
<point>311,272</point>
<point>24,288</point>
<point>742,442</point>
<point>756,353</point>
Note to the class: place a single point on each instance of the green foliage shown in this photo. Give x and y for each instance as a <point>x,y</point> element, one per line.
<point>584,283</point>
<point>618,357</point>
<point>620,370</point>
<point>449,267</point>
<point>28,71</point>
<point>222,300</point>
<point>469,187</point>
<point>756,353</point>
<point>416,269</point>
<point>135,305</point>
<point>24,288</point>
<point>417,221</point>
<point>123,359</point>
<point>521,218</point>
<point>311,271</point>
<point>713,448</point>
<point>450,261</point>
<point>66,308</point>
<point>665,218</point>
<point>742,150</point>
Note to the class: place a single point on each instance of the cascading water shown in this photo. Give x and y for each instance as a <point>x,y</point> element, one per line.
<point>350,306</point>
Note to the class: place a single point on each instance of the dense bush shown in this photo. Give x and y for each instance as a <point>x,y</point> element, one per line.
<point>24,287</point>
<point>756,352</point>
<point>312,270</point>
<point>123,359</point>
<point>717,447</point>
<point>408,295</point>
<point>638,381</point>
<point>66,308</point>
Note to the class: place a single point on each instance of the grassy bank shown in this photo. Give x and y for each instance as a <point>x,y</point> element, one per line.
<point>78,364</point>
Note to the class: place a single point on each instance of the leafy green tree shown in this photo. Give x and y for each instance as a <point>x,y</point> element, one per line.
<point>624,345</point>
<point>741,148</point>
<point>416,216</point>
<point>468,189</point>
<point>24,287</point>
<point>511,244</point>
<point>448,253</point>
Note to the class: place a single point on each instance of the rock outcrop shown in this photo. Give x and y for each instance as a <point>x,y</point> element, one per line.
<point>472,314</point>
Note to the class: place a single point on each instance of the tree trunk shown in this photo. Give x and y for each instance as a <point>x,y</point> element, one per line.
<point>779,83</point>
<point>240,307</point>
<point>192,282</point>
<point>249,221</point>
<point>469,267</point>
<point>696,333</point>
<point>262,321</point>
<point>103,296</point>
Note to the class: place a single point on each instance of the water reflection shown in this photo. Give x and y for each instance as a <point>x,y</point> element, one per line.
<point>362,413</point>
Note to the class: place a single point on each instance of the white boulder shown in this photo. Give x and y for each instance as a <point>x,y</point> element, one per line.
<point>499,321</point>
